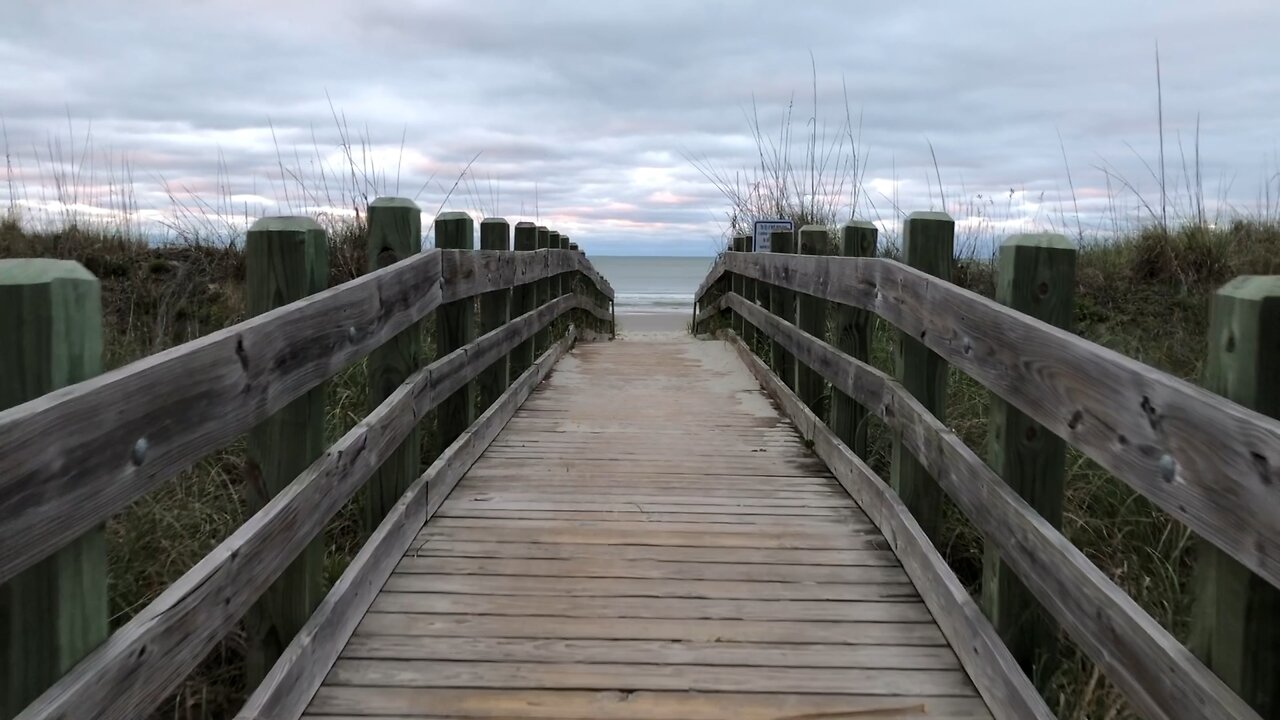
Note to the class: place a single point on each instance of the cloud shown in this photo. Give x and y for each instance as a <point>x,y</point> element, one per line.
<point>586,113</point>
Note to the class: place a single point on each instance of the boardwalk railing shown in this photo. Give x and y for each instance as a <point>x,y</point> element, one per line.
<point>71,457</point>
<point>1211,463</point>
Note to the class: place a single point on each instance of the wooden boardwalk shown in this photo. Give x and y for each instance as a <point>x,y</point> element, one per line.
<point>648,538</point>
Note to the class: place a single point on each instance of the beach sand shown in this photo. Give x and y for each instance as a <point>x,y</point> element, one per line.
<point>652,325</point>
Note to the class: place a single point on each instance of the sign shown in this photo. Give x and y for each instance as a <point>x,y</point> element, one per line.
<point>764,228</point>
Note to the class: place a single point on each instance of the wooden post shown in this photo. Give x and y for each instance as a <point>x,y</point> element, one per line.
<point>395,233</point>
<point>495,309</point>
<point>748,292</point>
<point>455,327</point>
<point>811,317</point>
<point>542,340</point>
<point>286,259</point>
<point>1235,623</point>
<point>736,285</point>
<point>557,283</point>
<point>54,612</point>
<point>764,295</point>
<point>927,244</point>
<point>524,298</point>
<point>570,285</point>
<point>1036,275</point>
<point>782,302</point>
<point>853,331</point>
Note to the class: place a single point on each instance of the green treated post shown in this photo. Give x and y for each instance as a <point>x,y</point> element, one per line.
<point>455,327</point>
<point>524,298</point>
<point>55,611</point>
<point>764,294</point>
<point>495,309</point>
<point>557,282</point>
<point>395,233</point>
<point>542,340</point>
<point>811,317</point>
<point>853,331</point>
<point>570,285</point>
<point>1235,622</point>
<point>782,302</point>
<point>736,284</point>
<point>748,293</point>
<point>1035,275</point>
<point>286,259</point>
<point>928,240</point>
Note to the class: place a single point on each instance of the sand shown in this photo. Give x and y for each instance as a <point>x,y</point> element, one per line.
<point>653,325</point>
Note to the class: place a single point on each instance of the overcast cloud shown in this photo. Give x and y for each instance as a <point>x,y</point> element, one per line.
<point>585,114</point>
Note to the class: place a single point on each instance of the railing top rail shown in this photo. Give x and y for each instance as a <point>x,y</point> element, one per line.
<point>63,469</point>
<point>1205,460</point>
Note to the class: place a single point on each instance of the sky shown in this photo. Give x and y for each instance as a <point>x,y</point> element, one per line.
<point>609,119</point>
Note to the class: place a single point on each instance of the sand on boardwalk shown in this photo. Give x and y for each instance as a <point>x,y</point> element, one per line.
<point>653,325</point>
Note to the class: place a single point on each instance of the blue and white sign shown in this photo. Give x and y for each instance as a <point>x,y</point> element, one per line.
<point>764,228</point>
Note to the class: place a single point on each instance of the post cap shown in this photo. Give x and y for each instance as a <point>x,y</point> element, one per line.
<point>394,202</point>
<point>285,223</point>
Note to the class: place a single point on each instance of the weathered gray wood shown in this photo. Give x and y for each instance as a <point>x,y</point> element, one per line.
<point>1203,459</point>
<point>853,331</point>
<point>176,630</point>
<point>1158,675</point>
<point>1036,276</point>
<point>525,296</point>
<point>1007,692</point>
<point>495,309</point>
<point>55,611</point>
<point>811,316</point>
<point>927,245</point>
<point>737,244</point>
<point>285,693</point>
<point>287,259</point>
<point>558,285</point>
<point>455,327</point>
<point>1236,617</point>
<point>782,304</point>
<point>394,234</point>
<point>606,676</point>
<point>473,273</point>
<point>215,388</point>
<point>348,703</point>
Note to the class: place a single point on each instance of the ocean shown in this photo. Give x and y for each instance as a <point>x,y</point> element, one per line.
<point>650,285</point>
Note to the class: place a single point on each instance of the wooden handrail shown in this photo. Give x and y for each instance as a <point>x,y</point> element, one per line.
<point>170,409</point>
<point>1205,460</point>
<point>1109,625</point>
<point>289,687</point>
<point>144,660</point>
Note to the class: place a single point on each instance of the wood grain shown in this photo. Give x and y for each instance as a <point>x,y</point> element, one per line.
<point>1008,693</point>
<point>288,688</point>
<point>480,271</point>
<point>1208,462</point>
<point>170,409</point>
<point>1149,665</point>
<point>145,659</point>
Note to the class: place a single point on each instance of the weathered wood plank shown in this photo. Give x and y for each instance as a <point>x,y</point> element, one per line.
<point>649,652</point>
<point>480,271</point>
<point>214,389</point>
<point>488,548</point>
<point>1207,461</point>
<point>1152,668</point>
<point>525,585</point>
<point>606,676</point>
<point>288,688</point>
<point>654,569</point>
<point>699,630</point>
<point>1008,693</point>
<point>176,629</point>
<point>638,705</point>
